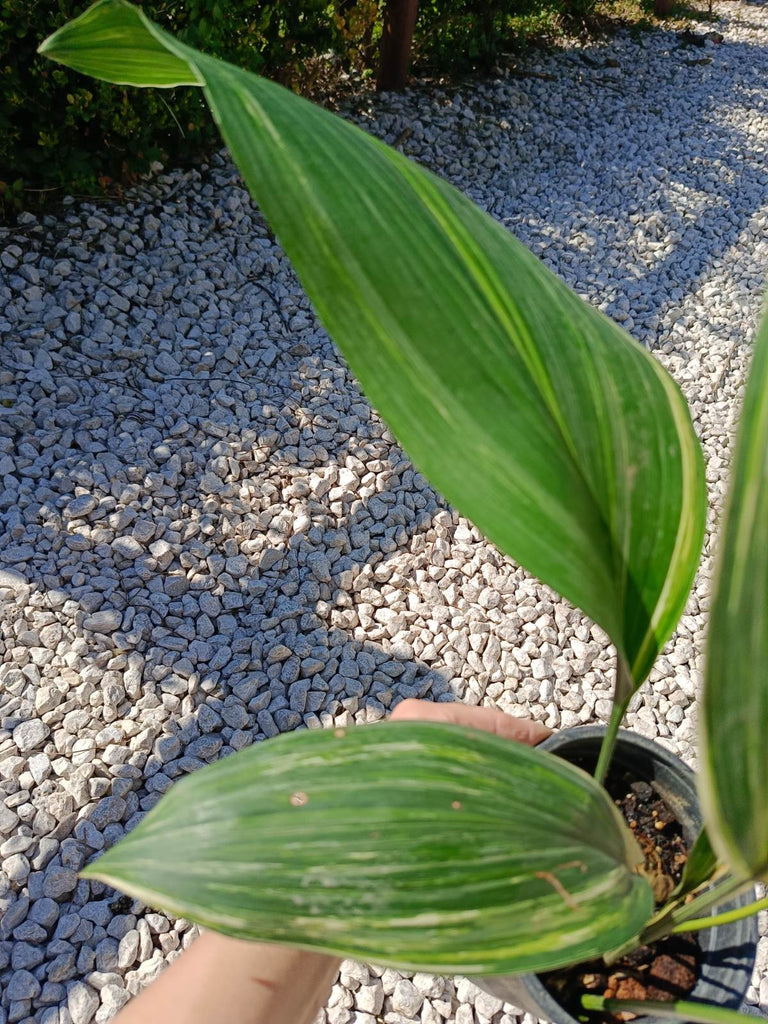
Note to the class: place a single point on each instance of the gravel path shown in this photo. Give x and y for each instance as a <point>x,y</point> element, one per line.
<point>209,538</point>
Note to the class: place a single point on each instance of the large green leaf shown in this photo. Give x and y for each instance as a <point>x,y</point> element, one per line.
<point>420,845</point>
<point>734,716</point>
<point>538,417</point>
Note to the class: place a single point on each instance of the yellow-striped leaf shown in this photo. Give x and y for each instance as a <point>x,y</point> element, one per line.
<point>734,717</point>
<point>420,845</point>
<point>538,417</point>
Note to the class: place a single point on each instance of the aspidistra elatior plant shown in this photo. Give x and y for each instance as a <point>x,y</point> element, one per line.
<point>422,845</point>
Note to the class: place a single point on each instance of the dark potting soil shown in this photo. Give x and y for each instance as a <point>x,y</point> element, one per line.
<point>665,970</point>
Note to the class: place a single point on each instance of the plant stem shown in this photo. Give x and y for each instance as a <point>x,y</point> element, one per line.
<point>699,1013</point>
<point>621,698</point>
<point>668,919</point>
<point>727,917</point>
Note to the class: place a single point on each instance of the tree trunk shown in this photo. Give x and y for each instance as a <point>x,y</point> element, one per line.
<point>396,40</point>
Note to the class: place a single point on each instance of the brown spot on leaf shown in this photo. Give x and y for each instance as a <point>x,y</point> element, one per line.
<point>573,864</point>
<point>559,888</point>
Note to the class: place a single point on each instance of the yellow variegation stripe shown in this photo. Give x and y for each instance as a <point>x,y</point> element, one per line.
<point>671,599</point>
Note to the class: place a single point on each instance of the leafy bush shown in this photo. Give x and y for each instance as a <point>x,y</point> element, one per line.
<point>470,28</point>
<point>466,33</point>
<point>60,133</point>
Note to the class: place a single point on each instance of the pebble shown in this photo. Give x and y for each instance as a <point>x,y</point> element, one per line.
<point>23,985</point>
<point>59,882</point>
<point>370,998</point>
<point>128,547</point>
<point>81,506</point>
<point>82,1003</point>
<point>16,868</point>
<point>12,580</point>
<point>128,949</point>
<point>29,735</point>
<point>106,621</point>
<point>45,912</point>
<point>406,998</point>
<point>113,998</point>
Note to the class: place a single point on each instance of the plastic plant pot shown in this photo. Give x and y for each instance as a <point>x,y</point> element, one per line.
<point>728,950</point>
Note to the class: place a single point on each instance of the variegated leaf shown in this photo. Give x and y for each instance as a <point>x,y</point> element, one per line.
<point>734,717</point>
<point>420,845</point>
<point>538,417</point>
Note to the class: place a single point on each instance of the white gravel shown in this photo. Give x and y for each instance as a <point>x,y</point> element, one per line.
<point>208,537</point>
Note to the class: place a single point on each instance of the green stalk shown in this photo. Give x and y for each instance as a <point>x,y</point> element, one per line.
<point>727,917</point>
<point>622,695</point>
<point>698,1013</point>
<point>669,919</point>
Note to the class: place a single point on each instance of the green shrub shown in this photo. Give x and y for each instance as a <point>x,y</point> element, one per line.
<point>473,29</point>
<point>62,133</point>
<point>468,33</point>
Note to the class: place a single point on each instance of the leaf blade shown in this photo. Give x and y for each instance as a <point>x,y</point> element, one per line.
<point>467,345</point>
<point>734,713</point>
<point>679,1009</point>
<point>427,846</point>
<point>544,508</point>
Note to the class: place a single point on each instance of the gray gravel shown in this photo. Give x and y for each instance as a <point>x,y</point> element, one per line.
<point>209,538</point>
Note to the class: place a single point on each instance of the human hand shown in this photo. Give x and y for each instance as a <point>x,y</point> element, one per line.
<point>521,730</point>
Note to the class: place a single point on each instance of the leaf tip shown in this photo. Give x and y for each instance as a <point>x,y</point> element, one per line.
<point>95,870</point>
<point>47,47</point>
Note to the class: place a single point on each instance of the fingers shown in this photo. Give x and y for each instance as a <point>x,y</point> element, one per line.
<point>522,730</point>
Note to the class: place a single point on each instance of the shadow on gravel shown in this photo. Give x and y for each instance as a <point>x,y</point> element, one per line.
<point>265,615</point>
<point>672,150</point>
